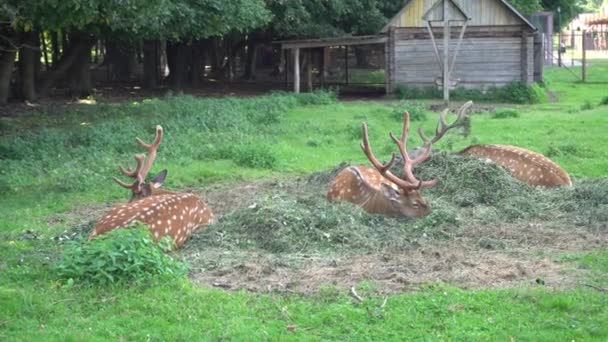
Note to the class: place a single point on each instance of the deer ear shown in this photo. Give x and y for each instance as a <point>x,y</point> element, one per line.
<point>390,192</point>
<point>159,179</point>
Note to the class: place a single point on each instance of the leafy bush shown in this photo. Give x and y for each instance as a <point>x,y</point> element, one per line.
<point>412,93</point>
<point>254,156</point>
<point>505,113</point>
<point>604,101</point>
<point>417,111</point>
<point>122,255</point>
<point>514,92</point>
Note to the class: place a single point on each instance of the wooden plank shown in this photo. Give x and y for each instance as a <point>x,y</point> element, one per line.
<point>296,70</point>
<point>524,59</point>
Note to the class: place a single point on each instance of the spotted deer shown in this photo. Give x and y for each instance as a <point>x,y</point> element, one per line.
<point>525,165</point>
<point>377,190</point>
<point>166,213</point>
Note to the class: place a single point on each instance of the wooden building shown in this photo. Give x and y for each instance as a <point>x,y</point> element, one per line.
<point>489,44</point>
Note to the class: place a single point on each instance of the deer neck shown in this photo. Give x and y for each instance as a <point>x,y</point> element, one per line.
<point>380,204</point>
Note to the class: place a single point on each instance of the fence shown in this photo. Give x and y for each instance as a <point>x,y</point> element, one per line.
<point>579,50</point>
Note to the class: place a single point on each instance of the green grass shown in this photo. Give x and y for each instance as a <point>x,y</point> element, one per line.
<point>50,163</point>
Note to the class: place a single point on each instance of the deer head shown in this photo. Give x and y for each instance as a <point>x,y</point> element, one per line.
<point>378,190</point>
<point>166,213</point>
<point>139,187</point>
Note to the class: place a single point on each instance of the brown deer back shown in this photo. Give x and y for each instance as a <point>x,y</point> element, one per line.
<point>525,165</point>
<point>176,215</point>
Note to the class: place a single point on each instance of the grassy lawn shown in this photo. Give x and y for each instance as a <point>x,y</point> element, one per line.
<point>52,163</point>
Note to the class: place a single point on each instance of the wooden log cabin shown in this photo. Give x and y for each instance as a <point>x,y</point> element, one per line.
<point>490,45</point>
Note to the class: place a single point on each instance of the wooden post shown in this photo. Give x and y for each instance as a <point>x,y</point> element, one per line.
<point>446,52</point>
<point>309,70</point>
<point>346,62</point>
<point>584,68</point>
<point>524,58</point>
<point>296,70</point>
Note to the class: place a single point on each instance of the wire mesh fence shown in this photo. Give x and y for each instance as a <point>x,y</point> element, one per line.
<point>580,50</point>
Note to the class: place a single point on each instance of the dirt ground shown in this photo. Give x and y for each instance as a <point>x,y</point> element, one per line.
<point>473,256</point>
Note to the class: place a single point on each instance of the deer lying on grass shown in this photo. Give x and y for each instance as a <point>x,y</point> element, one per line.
<point>525,165</point>
<point>377,190</point>
<point>166,213</point>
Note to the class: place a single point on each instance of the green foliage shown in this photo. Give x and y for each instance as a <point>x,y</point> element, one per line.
<point>505,113</point>
<point>526,7</point>
<point>194,129</point>
<point>560,150</point>
<point>254,156</point>
<point>120,256</point>
<point>318,18</point>
<point>604,101</point>
<point>587,105</point>
<point>417,111</point>
<point>515,92</point>
<point>412,93</point>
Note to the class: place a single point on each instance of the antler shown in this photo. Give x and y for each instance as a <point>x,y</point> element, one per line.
<point>442,126</point>
<point>142,168</point>
<point>410,182</point>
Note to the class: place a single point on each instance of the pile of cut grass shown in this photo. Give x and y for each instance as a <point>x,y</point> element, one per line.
<point>301,220</point>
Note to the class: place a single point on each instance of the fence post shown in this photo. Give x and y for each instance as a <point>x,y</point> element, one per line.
<point>584,68</point>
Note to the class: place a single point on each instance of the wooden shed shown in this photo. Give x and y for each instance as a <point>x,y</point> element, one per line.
<point>490,44</point>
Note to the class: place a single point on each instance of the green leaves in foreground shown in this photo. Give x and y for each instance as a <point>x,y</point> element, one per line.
<point>122,255</point>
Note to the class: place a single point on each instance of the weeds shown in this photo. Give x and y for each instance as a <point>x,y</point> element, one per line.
<point>83,156</point>
<point>120,256</point>
<point>514,92</point>
<point>416,110</point>
<point>505,113</point>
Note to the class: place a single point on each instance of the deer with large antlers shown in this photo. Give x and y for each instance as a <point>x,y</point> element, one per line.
<point>166,213</point>
<point>377,190</point>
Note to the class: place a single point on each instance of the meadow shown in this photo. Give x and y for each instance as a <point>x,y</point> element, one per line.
<point>535,261</point>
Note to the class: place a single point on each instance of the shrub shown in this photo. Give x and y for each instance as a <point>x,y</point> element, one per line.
<point>505,113</point>
<point>517,92</point>
<point>409,93</point>
<point>417,111</point>
<point>254,156</point>
<point>122,255</point>
<point>604,101</point>
<point>514,92</point>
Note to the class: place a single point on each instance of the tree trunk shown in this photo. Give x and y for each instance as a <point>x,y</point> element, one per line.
<point>27,65</point>
<point>7,62</point>
<point>80,45</point>
<point>79,74</point>
<point>197,65</point>
<point>177,60</point>
<point>54,47</point>
<point>251,60</point>
<point>120,58</point>
<point>150,63</point>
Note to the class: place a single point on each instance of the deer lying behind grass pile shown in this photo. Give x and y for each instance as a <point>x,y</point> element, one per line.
<point>166,213</point>
<point>379,191</point>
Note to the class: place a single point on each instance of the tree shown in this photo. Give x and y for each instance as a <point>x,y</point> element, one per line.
<point>568,10</point>
<point>526,7</point>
